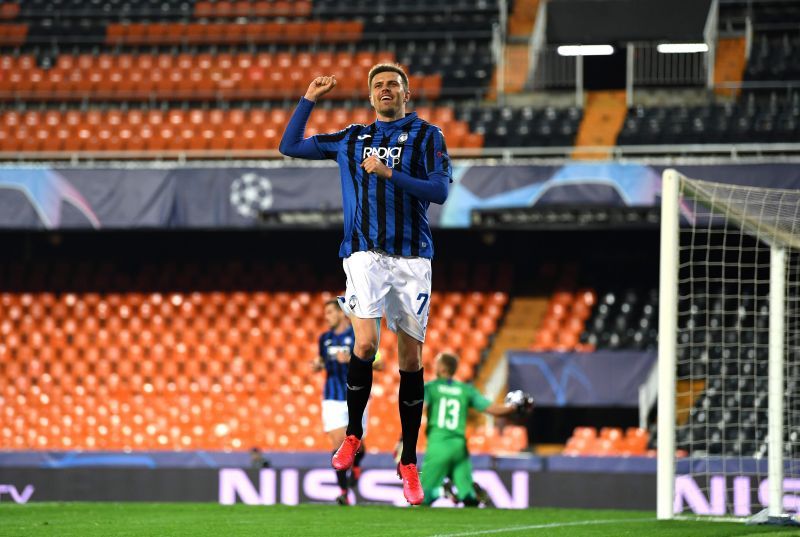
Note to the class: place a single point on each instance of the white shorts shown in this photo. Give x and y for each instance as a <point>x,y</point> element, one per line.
<point>334,415</point>
<point>398,287</point>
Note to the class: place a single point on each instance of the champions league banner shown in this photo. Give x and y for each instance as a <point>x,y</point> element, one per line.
<point>222,196</point>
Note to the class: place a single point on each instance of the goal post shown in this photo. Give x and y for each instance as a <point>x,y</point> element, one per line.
<point>667,325</point>
<point>728,432</point>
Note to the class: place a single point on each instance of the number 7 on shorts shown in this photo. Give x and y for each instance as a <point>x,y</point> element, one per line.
<point>424,298</point>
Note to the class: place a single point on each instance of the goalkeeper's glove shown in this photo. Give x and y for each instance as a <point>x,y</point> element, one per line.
<point>523,402</point>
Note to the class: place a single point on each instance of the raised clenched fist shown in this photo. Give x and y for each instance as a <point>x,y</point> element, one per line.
<point>320,86</point>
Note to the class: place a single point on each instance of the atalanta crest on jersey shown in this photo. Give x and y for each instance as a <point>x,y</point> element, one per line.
<point>402,138</point>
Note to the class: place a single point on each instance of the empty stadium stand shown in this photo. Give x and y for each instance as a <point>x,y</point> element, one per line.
<point>187,357</point>
<point>564,322</point>
<point>247,55</point>
<point>608,442</point>
<point>584,321</point>
<point>767,118</point>
<point>523,126</point>
<point>723,374</point>
<point>73,62</point>
<point>763,107</point>
<point>623,320</point>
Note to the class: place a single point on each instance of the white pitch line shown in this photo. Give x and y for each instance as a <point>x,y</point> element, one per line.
<point>544,526</point>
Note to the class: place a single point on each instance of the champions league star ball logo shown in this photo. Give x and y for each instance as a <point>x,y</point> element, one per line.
<point>251,194</point>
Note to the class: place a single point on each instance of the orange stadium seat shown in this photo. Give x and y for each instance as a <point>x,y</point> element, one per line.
<point>9,10</point>
<point>138,361</point>
<point>204,9</point>
<point>13,34</point>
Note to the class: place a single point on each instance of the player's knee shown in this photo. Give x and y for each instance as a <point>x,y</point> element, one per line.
<point>366,349</point>
<point>409,362</point>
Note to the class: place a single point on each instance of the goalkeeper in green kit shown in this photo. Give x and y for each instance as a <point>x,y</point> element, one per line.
<point>448,402</point>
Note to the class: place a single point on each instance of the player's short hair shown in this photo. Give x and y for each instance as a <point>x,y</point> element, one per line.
<point>450,362</point>
<point>387,67</point>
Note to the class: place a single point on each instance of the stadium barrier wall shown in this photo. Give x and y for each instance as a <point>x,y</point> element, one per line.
<point>518,489</point>
<point>293,478</point>
<point>510,489</point>
<point>230,196</point>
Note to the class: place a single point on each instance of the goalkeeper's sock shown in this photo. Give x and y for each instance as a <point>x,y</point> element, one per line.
<point>412,394</point>
<point>359,385</point>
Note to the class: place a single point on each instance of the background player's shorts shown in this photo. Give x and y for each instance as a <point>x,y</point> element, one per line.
<point>398,287</point>
<point>334,415</point>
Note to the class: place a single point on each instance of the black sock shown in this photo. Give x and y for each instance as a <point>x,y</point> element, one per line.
<point>412,393</point>
<point>359,456</point>
<point>341,477</point>
<point>359,385</point>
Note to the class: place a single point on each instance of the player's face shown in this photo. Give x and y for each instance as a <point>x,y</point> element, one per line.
<point>333,315</point>
<point>388,95</point>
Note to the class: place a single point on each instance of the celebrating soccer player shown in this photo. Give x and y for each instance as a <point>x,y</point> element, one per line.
<point>391,170</point>
<point>448,402</point>
<point>335,349</point>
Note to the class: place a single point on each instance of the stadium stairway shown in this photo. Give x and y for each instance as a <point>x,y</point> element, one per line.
<point>522,19</point>
<point>687,392</point>
<point>603,117</point>
<point>516,53</point>
<point>516,70</point>
<point>730,64</point>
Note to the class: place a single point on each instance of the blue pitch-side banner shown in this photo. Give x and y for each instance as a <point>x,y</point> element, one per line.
<point>177,196</point>
<point>601,378</point>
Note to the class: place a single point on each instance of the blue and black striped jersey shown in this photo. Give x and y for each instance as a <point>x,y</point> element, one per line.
<point>378,213</point>
<point>330,344</point>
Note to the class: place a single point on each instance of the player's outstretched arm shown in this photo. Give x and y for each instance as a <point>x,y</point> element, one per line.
<point>500,410</point>
<point>516,402</point>
<point>292,143</point>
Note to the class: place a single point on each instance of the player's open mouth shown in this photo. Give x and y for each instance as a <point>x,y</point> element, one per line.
<point>386,98</point>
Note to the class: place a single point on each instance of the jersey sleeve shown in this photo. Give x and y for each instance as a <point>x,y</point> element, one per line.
<point>321,347</point>
<point>437,161</point>
<point>477,400</point>
<point>438,171</point>
<point>317,147</point>
<point>329,144</point>
<point>428,393</point>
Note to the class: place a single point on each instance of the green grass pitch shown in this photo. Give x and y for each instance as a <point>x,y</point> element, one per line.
<point>212,520</point>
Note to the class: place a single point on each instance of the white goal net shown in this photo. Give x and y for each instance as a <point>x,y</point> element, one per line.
<point>729,350</point>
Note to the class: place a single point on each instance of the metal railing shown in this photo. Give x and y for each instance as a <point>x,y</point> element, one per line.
<point>671,152</point>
